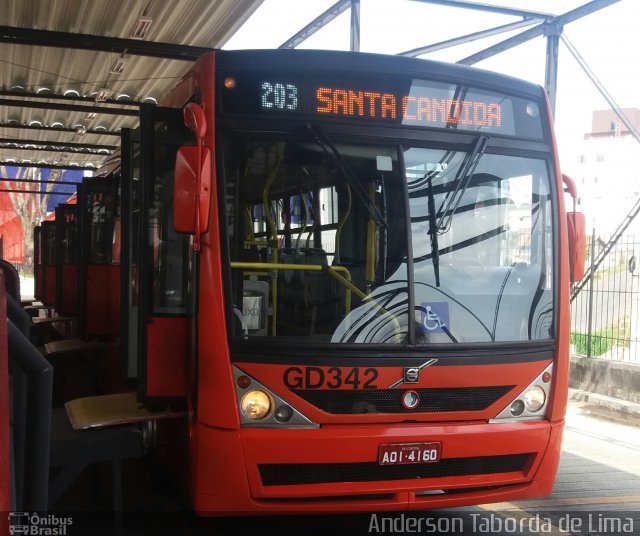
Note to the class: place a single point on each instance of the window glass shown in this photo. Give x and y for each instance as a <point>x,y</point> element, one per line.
<point>482,259</point>
<point>68,245</point>
<point>101,207</point>
<point>322,236</point>
<point>171,250</point>
<point>48,241</point>
<point>315,229</point>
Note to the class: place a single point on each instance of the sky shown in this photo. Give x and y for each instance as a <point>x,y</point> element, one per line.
<point>608,41</point>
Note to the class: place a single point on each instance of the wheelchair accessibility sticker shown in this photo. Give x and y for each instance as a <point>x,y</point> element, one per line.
<point>434,316</point>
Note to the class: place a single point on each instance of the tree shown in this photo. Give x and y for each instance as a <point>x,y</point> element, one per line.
<point>29,201</point>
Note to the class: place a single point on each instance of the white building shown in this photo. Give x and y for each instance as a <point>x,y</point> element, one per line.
<point>608,171</point>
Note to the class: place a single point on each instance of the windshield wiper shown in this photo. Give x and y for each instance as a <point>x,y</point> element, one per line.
<point>433,231</point>
<point>452,201</point>
<point>461,181</point>
<point>347,173</point>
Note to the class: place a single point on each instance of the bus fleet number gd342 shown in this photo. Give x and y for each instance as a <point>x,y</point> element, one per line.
<point>330,378</point>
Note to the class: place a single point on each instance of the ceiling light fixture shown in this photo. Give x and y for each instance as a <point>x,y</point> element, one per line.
<point>120,65</point>
<point>141,27</point>
<point>102,96</point>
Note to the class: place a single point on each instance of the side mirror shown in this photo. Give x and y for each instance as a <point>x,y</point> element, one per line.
<point>192,190</point>
<point>577,230</point>
<point>195,119</point>
<point>576,224</point>
<point>192,179</point>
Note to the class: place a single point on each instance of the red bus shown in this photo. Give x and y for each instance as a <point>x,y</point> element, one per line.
<point>353,271</point>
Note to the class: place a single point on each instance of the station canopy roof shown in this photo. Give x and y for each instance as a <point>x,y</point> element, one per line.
<point>73,72</point>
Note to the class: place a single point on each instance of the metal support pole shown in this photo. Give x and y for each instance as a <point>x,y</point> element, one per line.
<point>355,26</point>
<point>552,32</point>
<point>590,311</point>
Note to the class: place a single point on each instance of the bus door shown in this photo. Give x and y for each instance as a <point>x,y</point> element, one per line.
<point>165,266</point>
<point>48,249</point>
<point>66,259</point>
<point>128,251</point>
<point>99,278</point>
<point>5,445</point>
<point>38,275</point>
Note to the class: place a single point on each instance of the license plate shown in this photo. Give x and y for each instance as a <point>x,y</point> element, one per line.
<point>404,453</point>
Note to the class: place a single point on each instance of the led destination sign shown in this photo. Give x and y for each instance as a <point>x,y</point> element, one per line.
<point>407,102</point>
<point>436,112</point>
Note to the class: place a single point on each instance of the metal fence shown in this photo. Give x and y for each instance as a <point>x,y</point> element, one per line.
<point>605,315</point>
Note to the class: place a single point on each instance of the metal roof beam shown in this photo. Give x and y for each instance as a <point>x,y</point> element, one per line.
<point>556,23</point>
<point>492,9</point>
<point>9,163</point>
<point>600,87</point>
<point>32,192</point>
<point>56,150</point>
<point>586,9</point>
<point>59,129</point>
<point>68,107</point>
<point>514,41</point>
<point>468,38</point>
<point>319,22</point>
<point>134,47</point>
<point>55,96</point>
<point>38,181</point>
<point>63,144</point>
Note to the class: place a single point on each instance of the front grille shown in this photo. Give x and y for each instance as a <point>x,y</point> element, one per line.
<point>389,400</point>
<point>290,474</point>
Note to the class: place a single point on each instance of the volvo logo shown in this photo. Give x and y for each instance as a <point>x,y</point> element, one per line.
<point>410,399</point>
<point>412,374</point>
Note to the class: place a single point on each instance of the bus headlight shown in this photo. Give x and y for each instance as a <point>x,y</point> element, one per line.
<point>530,404</point>
<point>256,405</point>
<point>260,407</point>
<point>534,399</point>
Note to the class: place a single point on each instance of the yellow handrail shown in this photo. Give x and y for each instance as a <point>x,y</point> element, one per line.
<point>346,280</point>
<point>333,271</point>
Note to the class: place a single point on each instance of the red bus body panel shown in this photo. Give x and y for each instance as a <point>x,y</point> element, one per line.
<point>50,285</point>
<point>69,303</point>
<point>103,300</point>
<point>560,393</point>
<point>166,350</point>
<point>229,480</point>
<point>38,293</point>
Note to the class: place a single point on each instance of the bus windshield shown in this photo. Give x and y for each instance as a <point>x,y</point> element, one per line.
<point>351,243</point>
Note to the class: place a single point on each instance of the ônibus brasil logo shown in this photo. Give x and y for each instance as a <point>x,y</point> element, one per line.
<point>32,524</point>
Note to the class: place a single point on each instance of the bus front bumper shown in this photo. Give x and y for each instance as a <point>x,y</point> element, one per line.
<point>336,468</point>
